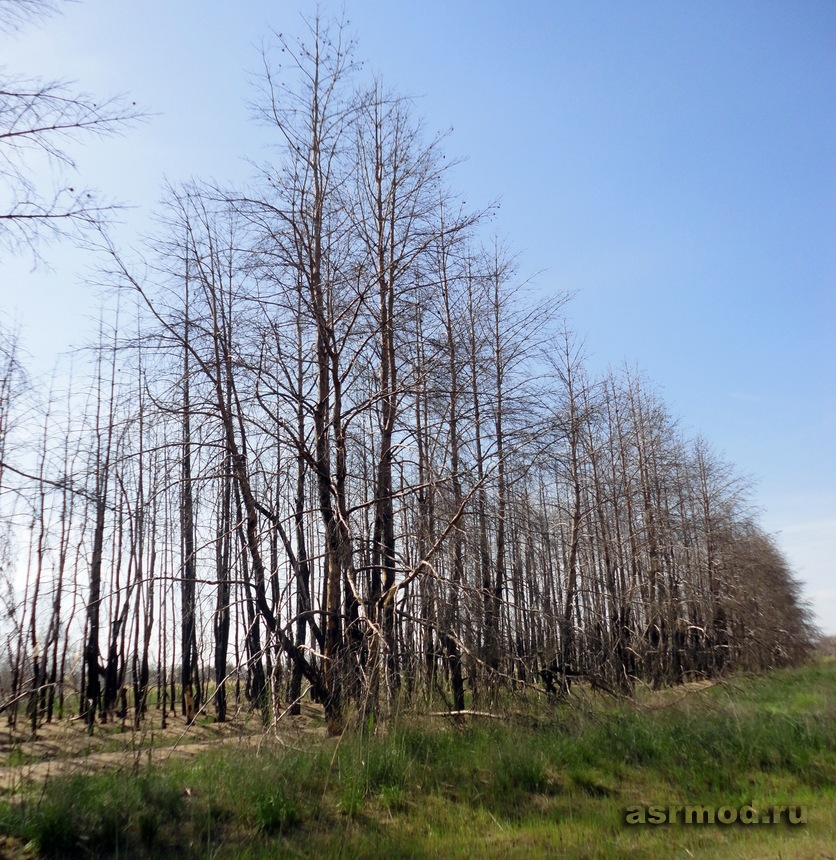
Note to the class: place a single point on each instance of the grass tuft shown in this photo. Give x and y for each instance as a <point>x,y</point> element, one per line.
<point>99,814</point>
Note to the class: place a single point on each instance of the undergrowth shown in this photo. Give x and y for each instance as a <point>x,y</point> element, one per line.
<point>518,787</point>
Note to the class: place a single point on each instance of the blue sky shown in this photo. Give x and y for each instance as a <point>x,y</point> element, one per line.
<point>672,163</point>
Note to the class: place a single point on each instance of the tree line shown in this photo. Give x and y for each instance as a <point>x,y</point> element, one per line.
<point>331,445</point>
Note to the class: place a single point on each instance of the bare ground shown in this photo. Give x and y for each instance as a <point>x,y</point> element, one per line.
<point>65,747</point>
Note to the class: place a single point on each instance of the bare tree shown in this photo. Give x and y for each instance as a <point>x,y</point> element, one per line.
<point>40,121</point>
<point>346,450</point>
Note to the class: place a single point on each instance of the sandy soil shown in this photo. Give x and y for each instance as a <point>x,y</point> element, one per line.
<point>64,747</point>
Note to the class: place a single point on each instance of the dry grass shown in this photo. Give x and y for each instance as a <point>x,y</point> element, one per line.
<point>65,747</point>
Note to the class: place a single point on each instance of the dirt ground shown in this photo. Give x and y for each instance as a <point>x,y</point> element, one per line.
<point>65,747</point>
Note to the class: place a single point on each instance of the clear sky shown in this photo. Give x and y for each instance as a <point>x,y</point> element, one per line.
<point>673,163</point>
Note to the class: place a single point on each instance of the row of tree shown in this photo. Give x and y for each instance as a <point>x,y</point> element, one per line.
<point>329,446</point>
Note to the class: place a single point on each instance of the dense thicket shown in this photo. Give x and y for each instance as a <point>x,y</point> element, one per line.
<point>333,448</point>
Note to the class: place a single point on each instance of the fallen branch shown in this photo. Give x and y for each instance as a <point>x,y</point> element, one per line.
<point>486,714</point>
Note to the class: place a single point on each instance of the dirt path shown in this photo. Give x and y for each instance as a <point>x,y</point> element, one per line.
<point>63,748</point>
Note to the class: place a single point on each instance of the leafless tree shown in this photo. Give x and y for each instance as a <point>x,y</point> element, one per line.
<point>40,121</point>
<point>344,454</point>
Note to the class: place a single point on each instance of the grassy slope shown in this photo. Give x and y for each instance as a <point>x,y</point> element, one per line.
<point>498,790</point>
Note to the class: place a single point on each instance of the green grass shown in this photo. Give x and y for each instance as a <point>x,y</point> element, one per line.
<point>100,815</point>
<point>554,784</point>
